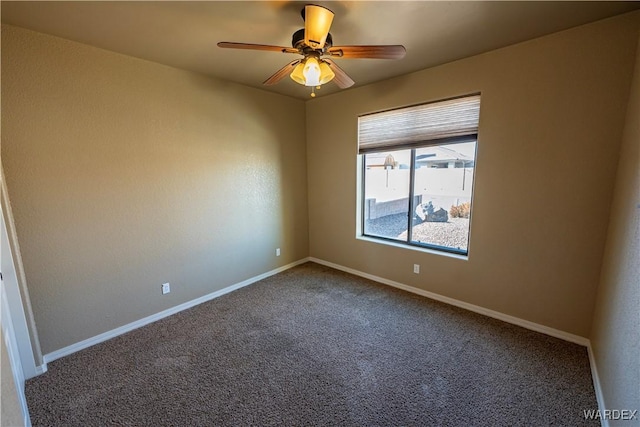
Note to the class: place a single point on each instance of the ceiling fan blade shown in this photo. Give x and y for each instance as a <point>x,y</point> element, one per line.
<point>317,22</point>
<point>233,45</point>
<point>374,52</point>
<point>281,73</point>
<point>341,79</point>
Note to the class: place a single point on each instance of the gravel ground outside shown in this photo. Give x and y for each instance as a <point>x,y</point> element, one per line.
<point>452,234</point>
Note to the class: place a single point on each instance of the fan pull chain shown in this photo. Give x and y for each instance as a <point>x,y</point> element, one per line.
<point>313,89</point>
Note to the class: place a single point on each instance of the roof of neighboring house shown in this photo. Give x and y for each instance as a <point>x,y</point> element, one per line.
<point>441,154</point>
<point>435,154</point>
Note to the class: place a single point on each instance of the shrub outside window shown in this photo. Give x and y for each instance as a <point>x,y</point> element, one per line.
<point>418,172</point>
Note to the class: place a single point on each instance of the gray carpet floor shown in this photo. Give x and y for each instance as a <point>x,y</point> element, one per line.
<point>316,346</point>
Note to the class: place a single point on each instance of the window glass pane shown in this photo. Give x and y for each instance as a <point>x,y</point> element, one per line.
<point>442,187</point>
<point>386,194</point>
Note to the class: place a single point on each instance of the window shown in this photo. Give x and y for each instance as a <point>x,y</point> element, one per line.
<point>418,170</point>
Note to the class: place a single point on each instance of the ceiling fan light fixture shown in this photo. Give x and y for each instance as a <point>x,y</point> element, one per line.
<point>318,21</point>
<point>312,72</point>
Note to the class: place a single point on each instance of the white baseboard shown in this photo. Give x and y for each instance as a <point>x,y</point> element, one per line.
<point>41,369</point>
<point>471,307</point>
<point>451,301</point>
<point>596,385</point>
<point>154,317</point>
<point>50,357</point>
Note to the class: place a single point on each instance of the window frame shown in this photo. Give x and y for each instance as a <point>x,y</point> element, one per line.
<point>409,243</point>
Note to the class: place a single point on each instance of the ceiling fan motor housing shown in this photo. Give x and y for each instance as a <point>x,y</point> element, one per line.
<point>297,41</point>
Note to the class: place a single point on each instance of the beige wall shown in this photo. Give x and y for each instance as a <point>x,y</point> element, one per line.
<point>550,127</point>
<point>615,336</point>
<point>124,174</point>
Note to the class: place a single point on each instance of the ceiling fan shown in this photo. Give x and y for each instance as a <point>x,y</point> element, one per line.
<point>315,44</point>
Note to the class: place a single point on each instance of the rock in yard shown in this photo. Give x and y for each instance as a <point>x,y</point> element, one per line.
<point>438,216</point>
<point>430,213</point>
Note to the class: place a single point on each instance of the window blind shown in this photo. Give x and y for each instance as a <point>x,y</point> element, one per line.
<point>405,127</point>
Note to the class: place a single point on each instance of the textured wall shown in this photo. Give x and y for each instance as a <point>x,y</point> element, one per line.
<point>550,128</point>
<point>615,337</point>
<point>124,174</point>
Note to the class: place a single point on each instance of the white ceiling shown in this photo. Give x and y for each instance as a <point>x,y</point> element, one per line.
<point>184,34</point>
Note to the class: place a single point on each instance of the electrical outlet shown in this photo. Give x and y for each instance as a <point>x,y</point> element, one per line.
<point>416,268</point>
<point>166,288</point>
<point>277,251</point>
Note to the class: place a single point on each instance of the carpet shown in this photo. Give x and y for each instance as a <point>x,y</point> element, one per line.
<point>317,346</point>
